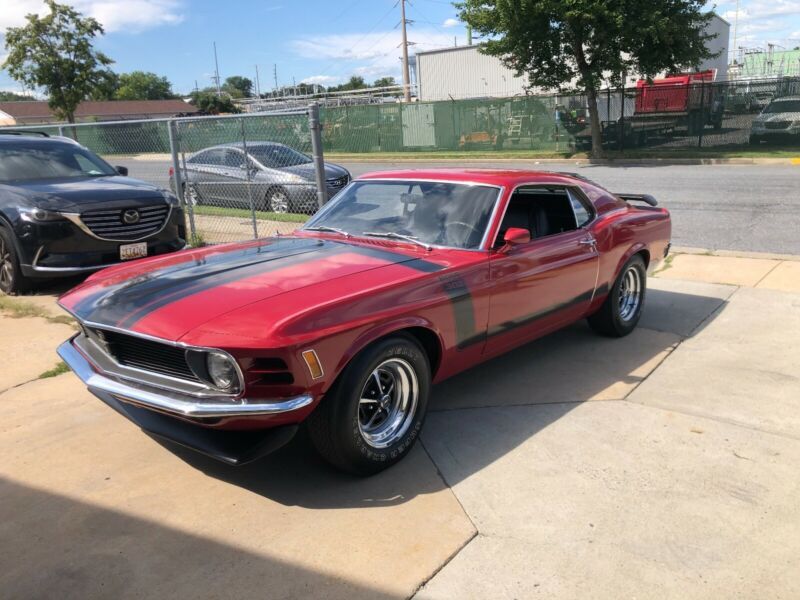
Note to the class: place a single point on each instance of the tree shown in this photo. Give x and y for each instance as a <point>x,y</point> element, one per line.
<point>208,102</point>
<point>14,97</point>
<point>384,82</point>
<point>355,82</point>
<point>238,86</point>
<point>55,52</point>
<point>141,85</point>
<point>556,42</point>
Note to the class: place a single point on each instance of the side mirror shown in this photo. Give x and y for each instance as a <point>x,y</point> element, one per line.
<point>515,236</point>
<point>122,170</point>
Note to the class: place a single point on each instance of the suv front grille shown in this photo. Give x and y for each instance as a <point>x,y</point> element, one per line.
<point>139,353</point>
<point>126,224</point>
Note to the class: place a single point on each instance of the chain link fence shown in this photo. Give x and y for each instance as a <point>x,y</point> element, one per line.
<point>237,176</point>
<point>657,119</point>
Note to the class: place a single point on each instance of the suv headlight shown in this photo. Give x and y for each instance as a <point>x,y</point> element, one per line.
<point>222,371</point>
<point>39,215</point>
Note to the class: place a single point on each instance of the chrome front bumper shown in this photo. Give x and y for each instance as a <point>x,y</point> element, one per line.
<point>166,401</point>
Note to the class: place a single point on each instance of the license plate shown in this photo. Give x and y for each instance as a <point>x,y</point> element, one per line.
<point>131,251</point>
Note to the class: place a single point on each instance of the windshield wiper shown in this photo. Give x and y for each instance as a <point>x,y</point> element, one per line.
<point>328,228</point>
<point>399,236</point>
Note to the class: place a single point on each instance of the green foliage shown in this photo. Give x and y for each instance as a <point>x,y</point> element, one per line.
<point>209,103</point>
<point>14,97</point>
<point>384,82</point>
<point>55,52</point>
<point>59,369</point>
<point>141,85</point>
<point>556,42</point>
<point>354,83</point>
<point>238,86</point>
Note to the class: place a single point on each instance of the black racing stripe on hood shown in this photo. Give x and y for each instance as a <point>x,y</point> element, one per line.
<point>221,261</point>
<point>127,303</point>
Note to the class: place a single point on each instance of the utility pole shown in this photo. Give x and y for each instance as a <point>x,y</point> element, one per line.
<point>735,29</point>
<point>275,76</point>
<point>216,70</point>
<point>406,75</point>
<point>258,84</point>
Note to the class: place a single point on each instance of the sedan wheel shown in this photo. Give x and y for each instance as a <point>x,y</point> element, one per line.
<point>277,201</point>
<point>373,414</point>
<point>190,195</point>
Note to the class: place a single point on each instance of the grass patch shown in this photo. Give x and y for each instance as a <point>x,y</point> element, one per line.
<point>59,369</point>
<point>665,264</point>
<point>224,211</point>
<point>20,309</point>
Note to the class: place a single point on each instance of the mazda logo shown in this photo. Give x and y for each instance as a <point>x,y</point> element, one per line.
<point>130,216</point>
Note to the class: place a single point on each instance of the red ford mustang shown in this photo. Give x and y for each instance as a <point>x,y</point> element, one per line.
<point>402,280</point>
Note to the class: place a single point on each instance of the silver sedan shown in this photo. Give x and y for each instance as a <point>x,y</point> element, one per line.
<point>272,176</point>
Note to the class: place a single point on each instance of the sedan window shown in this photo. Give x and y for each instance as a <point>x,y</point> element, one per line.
<point>445,214</point>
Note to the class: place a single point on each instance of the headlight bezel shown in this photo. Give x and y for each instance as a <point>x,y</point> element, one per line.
<point>200,363</point>
<point>40,215</point>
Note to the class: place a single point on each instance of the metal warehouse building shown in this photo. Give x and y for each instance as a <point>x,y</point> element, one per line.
<point>463,72</point>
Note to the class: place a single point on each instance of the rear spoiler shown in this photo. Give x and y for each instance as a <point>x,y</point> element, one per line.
<point>646,198</point>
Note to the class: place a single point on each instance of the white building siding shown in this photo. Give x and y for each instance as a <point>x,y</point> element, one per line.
<point>463,72</point>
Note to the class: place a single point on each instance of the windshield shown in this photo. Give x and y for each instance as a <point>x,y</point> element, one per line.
<point>274,156</point>
<point>20,162</point>
<point>783,106</point>
<point>443,214</point>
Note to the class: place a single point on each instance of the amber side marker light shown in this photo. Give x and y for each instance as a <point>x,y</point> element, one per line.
<point>314,366</point>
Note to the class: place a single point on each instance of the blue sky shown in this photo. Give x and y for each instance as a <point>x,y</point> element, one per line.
<point>310,40</point>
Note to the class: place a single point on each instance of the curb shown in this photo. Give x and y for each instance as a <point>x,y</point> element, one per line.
<point>733,253</point>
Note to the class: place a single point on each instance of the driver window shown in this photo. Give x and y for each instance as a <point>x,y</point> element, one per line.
<point>543,211</point>
<point>233,159</point>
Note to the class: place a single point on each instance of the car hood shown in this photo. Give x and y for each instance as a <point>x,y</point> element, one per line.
<point>170,296</point>
<point>783,116</point>
<point>306,171</point>
<point>73,193</point>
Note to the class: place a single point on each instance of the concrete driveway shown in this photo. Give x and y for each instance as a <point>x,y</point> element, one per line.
<point>661,464</point>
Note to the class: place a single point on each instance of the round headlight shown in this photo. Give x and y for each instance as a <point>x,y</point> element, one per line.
<point>221,370</point>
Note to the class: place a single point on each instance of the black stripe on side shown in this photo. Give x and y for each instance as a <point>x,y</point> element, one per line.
<point>525,320</point>
<point>463,309</point>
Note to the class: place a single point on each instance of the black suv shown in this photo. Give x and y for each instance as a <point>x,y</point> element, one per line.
<point>65,211</point>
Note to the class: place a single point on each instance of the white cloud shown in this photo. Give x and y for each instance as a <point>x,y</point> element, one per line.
<point>374,54</point>
<point>451,22</point>
<point>325,80</point>
<point>114,15</point>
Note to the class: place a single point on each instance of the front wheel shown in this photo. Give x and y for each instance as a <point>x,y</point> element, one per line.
<point>277,201</point>
<point>622,308</point>
<point>373,414</point>
<point>12,281</point>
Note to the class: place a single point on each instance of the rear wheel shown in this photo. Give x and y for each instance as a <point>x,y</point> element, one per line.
<point>12,281</point>
<point>191,196</point>
<point>373,414</point>
<point>622,308</point>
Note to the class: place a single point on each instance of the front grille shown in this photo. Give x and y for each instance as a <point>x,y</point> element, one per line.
<point>139,353</point>
<point>338,182</point>
<point>111,224</point>
<point>777,124</point>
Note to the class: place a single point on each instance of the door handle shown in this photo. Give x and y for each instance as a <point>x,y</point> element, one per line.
<point>589,242</point>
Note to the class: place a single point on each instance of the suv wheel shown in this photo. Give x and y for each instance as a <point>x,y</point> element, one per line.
<point>373,414</point>
<point>11,279</point>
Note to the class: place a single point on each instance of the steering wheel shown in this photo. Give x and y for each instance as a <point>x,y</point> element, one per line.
<point>471,230</point>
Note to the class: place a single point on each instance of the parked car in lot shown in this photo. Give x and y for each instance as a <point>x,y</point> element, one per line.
<point>65,211</point>
<point>778,122</point>
<point>404,279</point>
<point>275,177</point>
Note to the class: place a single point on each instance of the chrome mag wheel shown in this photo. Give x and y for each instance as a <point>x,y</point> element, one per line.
<point>278,201</point>
<point>6,266</point>
<point>388,403</point>
<point>630,294</point>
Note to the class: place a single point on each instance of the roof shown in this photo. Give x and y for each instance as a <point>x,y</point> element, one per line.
<point>503,177</point>
<point>38,109</point>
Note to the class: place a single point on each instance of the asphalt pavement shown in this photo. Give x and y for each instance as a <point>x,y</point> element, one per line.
<point>720,207</point>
